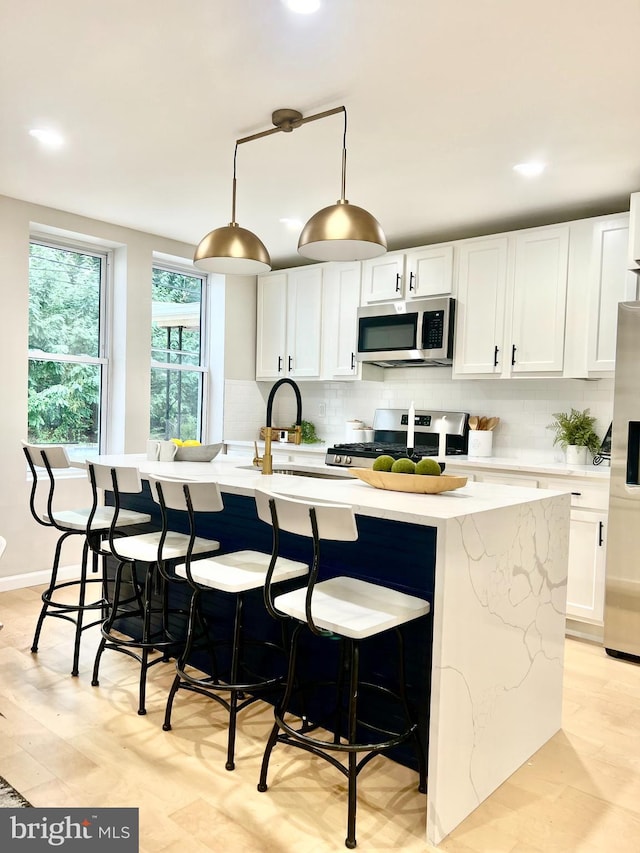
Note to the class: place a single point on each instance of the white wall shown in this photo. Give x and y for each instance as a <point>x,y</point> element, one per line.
<point>30,547</point>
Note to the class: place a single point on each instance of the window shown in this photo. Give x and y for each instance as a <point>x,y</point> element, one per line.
<point>67,358</point>
<point>177,374</point>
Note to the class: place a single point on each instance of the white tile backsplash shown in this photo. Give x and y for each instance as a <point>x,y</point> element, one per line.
<point>525,406</point>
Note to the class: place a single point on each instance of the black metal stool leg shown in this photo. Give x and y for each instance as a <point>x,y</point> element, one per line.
<point>194,609</point>
<point>46,595</point>
<point>402,691</point>
<point>108,624</point>
<point>233,698</point>
<point>353,658</point>
<point>280,708</point>
<point>81,602</point>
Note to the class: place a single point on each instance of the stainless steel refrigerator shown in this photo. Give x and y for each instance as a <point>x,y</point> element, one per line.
<point>622,597</point>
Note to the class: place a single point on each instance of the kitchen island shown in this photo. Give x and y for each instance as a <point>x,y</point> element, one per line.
<point>494,563</point>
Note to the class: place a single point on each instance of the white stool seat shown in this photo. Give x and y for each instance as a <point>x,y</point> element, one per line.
<point>353,608</point>
<point>241,571</point>
<point>144,547</point>
<point>76,519</point>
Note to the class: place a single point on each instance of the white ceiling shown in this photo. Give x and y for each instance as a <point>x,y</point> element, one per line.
<point>443,98</point>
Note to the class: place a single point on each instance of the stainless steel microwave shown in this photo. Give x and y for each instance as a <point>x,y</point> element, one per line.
<point>402,334</point>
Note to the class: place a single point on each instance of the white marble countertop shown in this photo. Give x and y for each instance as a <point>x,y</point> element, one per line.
<point>236,475</point>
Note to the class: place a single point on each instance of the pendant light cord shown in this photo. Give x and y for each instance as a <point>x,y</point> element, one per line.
<point>233,191</point>
<point>344,158</point>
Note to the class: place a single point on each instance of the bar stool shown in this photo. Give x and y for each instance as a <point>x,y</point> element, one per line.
<point>350,611</point>
<point>230,576</point>
<point>140,620</point>
<point>92,522</point>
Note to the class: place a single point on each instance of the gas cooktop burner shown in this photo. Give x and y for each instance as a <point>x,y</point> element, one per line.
<point>372,447</point>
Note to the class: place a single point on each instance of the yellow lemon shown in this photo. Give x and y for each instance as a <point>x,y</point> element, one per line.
<point>177,441</point>
<point>191,442</point>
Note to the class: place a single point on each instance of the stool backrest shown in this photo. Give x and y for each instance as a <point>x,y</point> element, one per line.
<point>115,478</point>
<point>335,522</point>
<point>49,457</point>
<point>185,497</point>
<point>119,479</point>
<point>317,520</point>
<point>46,455</point>
<point>178,494</point>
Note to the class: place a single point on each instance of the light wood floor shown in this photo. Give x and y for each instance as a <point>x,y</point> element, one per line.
<point>65,743</point>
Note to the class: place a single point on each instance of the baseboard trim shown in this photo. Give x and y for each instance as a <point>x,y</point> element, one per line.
<point>585,631</point>
<point>37,578</point>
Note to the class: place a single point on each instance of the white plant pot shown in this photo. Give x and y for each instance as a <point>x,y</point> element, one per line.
<point>576,455</point>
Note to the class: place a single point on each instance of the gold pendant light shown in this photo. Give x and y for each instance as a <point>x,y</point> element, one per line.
<point>341,232</point>
<point>232,250</point>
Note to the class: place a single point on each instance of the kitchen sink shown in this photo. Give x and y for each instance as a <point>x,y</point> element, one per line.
<point>303,472</point>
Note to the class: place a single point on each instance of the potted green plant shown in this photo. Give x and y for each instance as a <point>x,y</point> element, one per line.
<point>575,434</point>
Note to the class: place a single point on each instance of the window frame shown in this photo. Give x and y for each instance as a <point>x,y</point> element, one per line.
<point>105,316</point>
<point>203,367</point>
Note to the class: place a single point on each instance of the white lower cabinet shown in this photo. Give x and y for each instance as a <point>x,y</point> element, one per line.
<point>585,584</point>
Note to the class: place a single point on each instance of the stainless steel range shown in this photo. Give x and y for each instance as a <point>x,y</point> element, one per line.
<point>390,437</point>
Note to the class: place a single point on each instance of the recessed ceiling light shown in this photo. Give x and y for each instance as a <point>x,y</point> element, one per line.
<point>50,138</point>
<point>303,7</point>
<point>292,223</point>
<point>530,170</point>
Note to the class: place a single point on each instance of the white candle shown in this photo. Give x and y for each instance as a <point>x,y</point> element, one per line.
<point>411,425</point>
<point>442,444</point>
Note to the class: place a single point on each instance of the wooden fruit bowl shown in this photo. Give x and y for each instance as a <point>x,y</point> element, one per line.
<point>423,484</point>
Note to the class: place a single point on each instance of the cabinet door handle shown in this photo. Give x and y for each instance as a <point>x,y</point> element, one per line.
<point>279,364</point>
<point>495,355</point>
<point>411,278</point>
<point>353,361</point>
<point>290,361</point>
<point>513,353</point>
<point>398,280</point>
<point>600,532</point>
<point>577,494</point>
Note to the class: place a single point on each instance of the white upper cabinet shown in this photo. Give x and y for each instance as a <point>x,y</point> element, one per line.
<point>271,339</point>
<point>429,272</point>
<point>611,283</point>
<point>511,303</point>
<point>598,281</point>
<point>383,277</point>
<point>341,302</point>
<point>414,274</point>
<point>304,322</point>
<point>634,233</point>
<point>482,277</point>
<point>536,336</point>
<point>289,324</point>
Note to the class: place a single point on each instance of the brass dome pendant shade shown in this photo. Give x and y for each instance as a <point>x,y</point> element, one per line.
<point>232,250</point>
<point>341,232</point>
